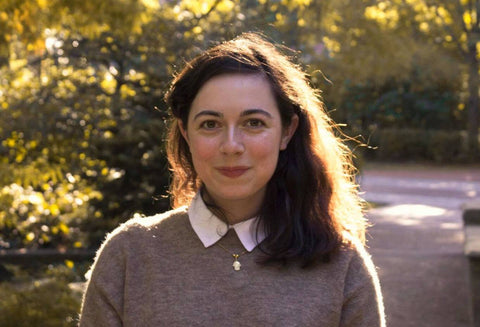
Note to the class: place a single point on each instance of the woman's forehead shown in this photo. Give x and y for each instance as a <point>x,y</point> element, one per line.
<point>237,92</point>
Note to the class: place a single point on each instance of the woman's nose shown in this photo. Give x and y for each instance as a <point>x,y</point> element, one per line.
<point>232,142</point>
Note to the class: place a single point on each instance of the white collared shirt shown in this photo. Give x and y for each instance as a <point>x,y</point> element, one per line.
<point>210,229</point>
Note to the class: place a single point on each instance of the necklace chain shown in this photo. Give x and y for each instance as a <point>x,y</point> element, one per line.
<point>236,264</point>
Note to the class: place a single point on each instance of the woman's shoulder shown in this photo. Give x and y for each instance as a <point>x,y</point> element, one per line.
<point>136,233</point>
<point>352,255</point>
<point>358,261</point>
<point>352,246</point>
<point>150,224</point>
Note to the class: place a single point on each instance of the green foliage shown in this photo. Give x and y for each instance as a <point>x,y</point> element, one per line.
<point>46,301</point>
<point>394,144</point>
<point>402,105</point>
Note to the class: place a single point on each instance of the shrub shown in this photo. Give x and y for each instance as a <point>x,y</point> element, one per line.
<point>49,303</point>
<point>41,296</point>
<point>439,146</point>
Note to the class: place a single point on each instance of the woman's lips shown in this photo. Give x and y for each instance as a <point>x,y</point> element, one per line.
<point>232,172</point>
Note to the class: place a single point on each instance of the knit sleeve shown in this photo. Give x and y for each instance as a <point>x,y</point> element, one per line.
<point>363,302</point>
<point>103,299</point>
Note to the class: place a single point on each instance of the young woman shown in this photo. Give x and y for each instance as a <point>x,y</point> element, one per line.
<point>267,228</point>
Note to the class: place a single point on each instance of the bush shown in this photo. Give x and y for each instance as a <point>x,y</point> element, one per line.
<point>49,304</point>
<point>40,298</point>
<point>437,146</point>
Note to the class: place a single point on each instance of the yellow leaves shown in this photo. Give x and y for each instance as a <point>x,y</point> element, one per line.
<point>77,244</point>
<point>69,264</point>
<point>225,6</point>
<point>151,4</point>
<point>384,16</point>
<point>333,28</point>
<point>42,4</point>
<point>32,144</point>
<point>9,143</point>
<point>293,4</point>
<point>3,16</point>
<point>303,2</point>
<point>4,105</point>
<point>20,155</point>
<point>108,84</point>
<point>198,8</point>
<point>477,45</point>
<point>63,228</point>
<point>45,238</point>
<point>108,134</point>
<point>24,78</point>
<point>446,17</point>
<point>16,64</point>
<point>188,9</point>
<point>424,27</point>
<point>30,237</point>
<point>467,18</point>
<point>54,209</point>
<point>126,91</point>
<point>280,18</point>
<point>332,45</point>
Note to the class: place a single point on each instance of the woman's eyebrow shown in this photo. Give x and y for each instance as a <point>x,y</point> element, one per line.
<point>208,113</point>
<point>256,111</point>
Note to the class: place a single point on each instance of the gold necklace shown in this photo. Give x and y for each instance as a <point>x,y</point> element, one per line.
<point>236,264</point>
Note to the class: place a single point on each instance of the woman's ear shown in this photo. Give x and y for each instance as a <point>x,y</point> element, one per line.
<point>183,131</point>
<point>289,131</point>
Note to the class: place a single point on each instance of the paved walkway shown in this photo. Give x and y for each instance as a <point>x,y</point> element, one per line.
<point>417,242</point>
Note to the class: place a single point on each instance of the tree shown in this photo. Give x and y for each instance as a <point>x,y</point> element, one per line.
<point>451,27</point>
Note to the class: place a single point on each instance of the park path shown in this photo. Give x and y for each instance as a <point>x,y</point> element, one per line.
<point>416,241</point>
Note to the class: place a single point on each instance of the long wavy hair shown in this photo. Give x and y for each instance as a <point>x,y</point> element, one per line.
<point>311,200</point>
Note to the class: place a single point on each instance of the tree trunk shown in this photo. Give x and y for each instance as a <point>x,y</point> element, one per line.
<point>473,98</point>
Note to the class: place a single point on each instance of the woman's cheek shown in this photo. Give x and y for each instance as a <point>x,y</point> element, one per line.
<point>203,148</point>
<point>266,147</point>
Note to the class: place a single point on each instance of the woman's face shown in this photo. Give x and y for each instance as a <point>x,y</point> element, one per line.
<point>235,134</point>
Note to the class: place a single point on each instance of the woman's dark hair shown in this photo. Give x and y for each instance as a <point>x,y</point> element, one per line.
<point>311,200</point>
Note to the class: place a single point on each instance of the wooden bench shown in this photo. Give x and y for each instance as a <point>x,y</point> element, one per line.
<point>471,221</point>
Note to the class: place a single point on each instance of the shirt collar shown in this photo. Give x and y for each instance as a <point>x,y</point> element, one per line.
<point>210,229</point>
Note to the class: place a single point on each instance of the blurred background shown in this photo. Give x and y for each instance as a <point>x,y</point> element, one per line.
<point>82,117</point>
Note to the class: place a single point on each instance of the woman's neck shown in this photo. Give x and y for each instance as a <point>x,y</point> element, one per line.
<point>234,211</point>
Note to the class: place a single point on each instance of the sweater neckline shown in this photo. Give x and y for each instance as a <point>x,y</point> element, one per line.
<point>210,229</point>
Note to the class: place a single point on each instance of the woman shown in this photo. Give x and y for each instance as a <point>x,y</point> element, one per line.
<point>268,228</point>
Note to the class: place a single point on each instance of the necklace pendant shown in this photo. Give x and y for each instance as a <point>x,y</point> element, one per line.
<point>236,265</point>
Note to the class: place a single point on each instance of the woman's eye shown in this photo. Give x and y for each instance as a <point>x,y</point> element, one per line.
<point>256,123</point>
<point>209,124</point>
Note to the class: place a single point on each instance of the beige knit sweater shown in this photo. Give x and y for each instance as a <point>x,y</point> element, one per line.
<point>155,272</point>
